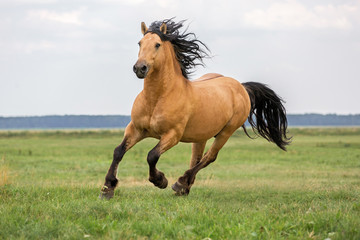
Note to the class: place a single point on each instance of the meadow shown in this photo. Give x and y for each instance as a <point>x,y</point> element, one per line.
<point>50,182</point>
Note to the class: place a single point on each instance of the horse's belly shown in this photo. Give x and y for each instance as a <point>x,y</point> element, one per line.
<point>199,136</point>
<point>206,124</point>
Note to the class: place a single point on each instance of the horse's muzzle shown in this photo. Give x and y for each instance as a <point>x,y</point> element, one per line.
<point>140,69</point>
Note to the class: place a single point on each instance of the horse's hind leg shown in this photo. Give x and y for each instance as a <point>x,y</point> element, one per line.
<point>131,137</point>
<point>184,183</point>
<point>197,150</point>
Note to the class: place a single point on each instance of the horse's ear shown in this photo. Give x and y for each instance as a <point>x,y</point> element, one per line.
<point>143,28</point>
<point>163,28</point>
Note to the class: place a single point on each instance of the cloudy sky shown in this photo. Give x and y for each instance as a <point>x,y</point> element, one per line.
<point>76,57</point>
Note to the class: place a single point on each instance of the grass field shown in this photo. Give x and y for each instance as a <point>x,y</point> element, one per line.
<point>50,182</point>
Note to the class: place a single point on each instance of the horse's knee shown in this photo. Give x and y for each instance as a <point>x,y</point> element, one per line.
<point>153,157</point>
<point>119,151</point>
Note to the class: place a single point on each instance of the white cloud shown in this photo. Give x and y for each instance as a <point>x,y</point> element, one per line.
<point>172,4</point>
<point>26,2</point>
<point>125,2</point>
<point>292,14</point>
<point>101,24</point>
<point>30,47</point>
<point>71,17</point>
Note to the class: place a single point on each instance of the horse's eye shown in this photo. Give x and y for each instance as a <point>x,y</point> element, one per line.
<point>157,45</point>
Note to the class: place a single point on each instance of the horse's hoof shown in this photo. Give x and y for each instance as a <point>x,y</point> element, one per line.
<point>160,182</point>
<point>106,193</point>
<point>180,189</point>
<point>163,184</point>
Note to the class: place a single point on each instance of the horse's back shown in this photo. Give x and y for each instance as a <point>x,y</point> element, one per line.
<point>225,93</point>
<point>208,76</point>
<point>218,85</point>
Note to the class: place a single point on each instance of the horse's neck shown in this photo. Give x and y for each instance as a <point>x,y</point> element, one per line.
<point>160,83</point>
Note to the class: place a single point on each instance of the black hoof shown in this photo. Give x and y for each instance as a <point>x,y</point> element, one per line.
<point>106,193</point>
<point>159,181</point>
<point>180,189</point>
<point>163,184</point>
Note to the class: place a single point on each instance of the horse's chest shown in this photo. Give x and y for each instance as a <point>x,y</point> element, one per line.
<point>160,117</point>
<point>152,122</point>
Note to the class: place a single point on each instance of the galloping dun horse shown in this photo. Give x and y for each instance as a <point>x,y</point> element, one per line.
<point>173,109</point>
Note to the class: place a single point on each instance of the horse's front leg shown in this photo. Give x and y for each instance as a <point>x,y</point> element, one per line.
<point>167,141</point>
<point>131,137</point>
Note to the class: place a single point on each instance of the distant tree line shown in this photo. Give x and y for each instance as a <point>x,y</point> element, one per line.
<point>67,121</point>
<point>119,121</point>
<point>323,120</point>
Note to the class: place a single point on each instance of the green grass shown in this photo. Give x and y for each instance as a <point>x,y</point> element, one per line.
<point>50,181</point>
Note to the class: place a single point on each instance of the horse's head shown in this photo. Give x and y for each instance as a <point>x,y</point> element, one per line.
<point>151,52</point>
<point>163,39</point>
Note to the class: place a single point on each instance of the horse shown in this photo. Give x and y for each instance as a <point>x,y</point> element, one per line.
<point>173,109</point>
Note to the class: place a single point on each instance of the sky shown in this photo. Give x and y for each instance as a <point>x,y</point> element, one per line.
<point>62,57</point>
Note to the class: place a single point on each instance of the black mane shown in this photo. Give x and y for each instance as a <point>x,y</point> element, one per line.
<point>188,49</point>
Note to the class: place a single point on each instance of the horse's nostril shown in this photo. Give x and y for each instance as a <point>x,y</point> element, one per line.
<point>134,69</point>
<point>143,68</point>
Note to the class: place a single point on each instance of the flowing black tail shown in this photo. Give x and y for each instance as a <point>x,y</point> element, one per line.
<point>270,115</point>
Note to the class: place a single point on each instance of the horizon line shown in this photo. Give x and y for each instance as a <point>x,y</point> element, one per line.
<point>128,115</point>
